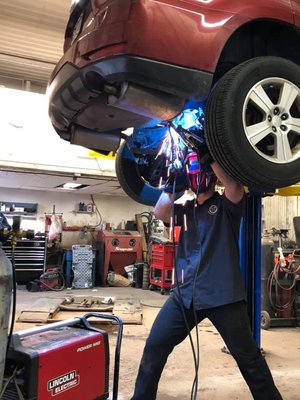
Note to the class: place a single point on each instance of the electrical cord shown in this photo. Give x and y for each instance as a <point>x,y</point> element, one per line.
<point>98,212</point>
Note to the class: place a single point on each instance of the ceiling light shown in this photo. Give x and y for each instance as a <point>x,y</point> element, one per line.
<point>71,186</point>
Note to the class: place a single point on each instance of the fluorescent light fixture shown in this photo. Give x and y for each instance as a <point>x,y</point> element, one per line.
<point>71,186</point>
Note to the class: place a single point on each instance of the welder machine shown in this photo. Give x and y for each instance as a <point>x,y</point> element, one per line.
<point>66,360</point>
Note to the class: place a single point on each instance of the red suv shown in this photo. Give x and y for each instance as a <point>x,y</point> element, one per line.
<point>226,71</point>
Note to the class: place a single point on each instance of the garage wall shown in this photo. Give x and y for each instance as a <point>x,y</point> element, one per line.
<point>114,210</point>
<point>278,212</point>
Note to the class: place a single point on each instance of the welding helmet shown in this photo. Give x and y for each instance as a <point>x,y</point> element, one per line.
<point>200,179</point>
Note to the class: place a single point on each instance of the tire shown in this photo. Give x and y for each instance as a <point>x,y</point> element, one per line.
<point>234,111</point>
<point>130,179</point>
<point>265,320</point>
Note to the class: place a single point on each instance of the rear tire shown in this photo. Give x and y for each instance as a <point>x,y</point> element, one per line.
<point>130,179</point>
<point>253,142</point>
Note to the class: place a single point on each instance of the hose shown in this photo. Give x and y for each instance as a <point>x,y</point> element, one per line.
<point>287,272</point>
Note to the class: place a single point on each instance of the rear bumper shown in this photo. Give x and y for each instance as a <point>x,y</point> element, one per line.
<point>73,91</point>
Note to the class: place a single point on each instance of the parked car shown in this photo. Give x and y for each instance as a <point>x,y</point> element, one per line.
<point>230,67</point>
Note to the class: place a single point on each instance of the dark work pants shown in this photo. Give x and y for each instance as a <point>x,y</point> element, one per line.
<point>232,323</point>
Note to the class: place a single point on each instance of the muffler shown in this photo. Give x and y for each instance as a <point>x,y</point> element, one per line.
<point>150,103</point>
<point>98,141</point>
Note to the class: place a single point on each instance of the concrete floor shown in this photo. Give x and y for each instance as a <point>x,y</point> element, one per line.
<point>219,377</point>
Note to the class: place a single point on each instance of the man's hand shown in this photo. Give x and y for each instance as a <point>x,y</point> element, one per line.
<point>181,180</point>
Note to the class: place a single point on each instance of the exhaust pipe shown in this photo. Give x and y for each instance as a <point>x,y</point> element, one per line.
<point>98,141</point>
<point>150,103</point>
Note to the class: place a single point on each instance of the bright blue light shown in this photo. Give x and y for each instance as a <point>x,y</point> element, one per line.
<point>190,119</point>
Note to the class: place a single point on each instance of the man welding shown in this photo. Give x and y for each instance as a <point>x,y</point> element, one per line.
<point>209,283</point>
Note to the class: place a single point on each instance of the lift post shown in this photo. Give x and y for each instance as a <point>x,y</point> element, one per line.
<point>250,257</point>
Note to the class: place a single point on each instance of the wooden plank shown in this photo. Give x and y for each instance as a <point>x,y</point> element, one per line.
<point>41,310</point>
<point>129,311</point>
<point>34,316</point>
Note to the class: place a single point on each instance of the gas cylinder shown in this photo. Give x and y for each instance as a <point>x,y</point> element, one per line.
<point>267,256</point>
<point>5,299</point>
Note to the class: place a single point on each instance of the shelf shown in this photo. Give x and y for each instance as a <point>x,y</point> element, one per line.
<point>11,214</point>
<point>28,209</point>
<point>83,212</point>
<point>19,213</point>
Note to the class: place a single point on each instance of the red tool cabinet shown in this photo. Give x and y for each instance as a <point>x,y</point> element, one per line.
<point>161,266</point>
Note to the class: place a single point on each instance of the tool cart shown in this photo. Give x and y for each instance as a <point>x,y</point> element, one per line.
<point>161,266</point>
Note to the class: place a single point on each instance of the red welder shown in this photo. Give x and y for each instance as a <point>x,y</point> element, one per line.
<point>67,360</point>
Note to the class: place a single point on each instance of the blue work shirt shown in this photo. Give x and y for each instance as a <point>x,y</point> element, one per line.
<point>207,262</point>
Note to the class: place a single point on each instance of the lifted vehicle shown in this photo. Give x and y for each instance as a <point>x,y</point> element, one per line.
<point>230,70</point>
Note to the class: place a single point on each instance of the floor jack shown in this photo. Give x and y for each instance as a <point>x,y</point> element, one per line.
<point>66,360</point>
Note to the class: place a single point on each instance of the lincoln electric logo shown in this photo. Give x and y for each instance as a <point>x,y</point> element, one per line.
<point>62,383</point>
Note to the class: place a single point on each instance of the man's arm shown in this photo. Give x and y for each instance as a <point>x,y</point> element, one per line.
<point>234,191</point>
<point>163,207</point>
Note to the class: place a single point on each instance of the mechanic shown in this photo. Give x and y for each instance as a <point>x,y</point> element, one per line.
<point>209,283</point>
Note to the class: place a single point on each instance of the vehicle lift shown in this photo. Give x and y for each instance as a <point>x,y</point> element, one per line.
<point>250,257</point>
<point>251,254</point>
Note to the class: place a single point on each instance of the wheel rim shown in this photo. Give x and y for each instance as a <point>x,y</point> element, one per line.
<point>271,120</point>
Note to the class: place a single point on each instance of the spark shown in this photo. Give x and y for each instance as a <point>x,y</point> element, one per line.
<point>173,148</point>
<point>185,222</point>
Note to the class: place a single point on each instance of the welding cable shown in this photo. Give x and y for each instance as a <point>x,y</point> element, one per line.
<point>195,383</point>
<point>179,296</point>
<point>197,365</point>
<point>14,298</point>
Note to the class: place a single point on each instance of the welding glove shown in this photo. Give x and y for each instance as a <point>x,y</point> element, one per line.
<point>181,182</point>
<point>205,158</point>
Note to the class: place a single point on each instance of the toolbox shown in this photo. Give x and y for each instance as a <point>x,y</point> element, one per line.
<point>161,266</point>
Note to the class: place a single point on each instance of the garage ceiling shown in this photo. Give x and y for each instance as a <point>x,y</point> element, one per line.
<point>31,43</point>
<point>33,181</point>
<point>32,33</point>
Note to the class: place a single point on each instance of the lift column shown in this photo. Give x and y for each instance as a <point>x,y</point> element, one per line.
<point>250,253</point>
